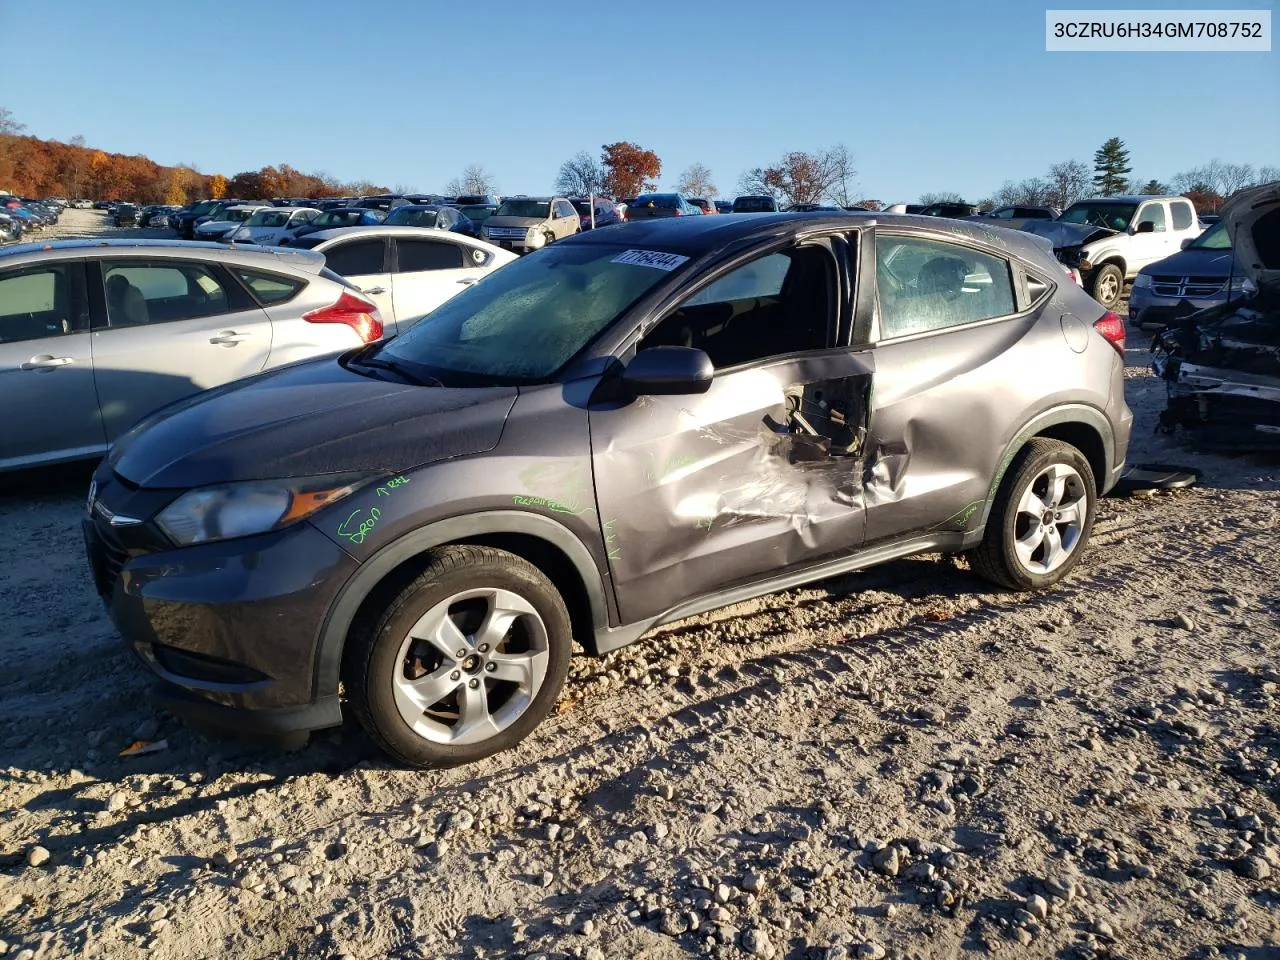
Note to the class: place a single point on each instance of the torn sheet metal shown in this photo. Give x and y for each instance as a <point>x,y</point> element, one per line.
<point>763,471</point>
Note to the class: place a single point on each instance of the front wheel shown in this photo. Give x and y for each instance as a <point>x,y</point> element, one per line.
<point>462,662</point>
<point>1106,285</point>
<point>1041,518</point>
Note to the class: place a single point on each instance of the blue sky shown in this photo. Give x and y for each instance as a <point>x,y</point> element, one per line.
<point>927,95</point>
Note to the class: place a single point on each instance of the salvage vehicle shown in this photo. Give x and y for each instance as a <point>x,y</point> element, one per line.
<point>1109,239</point>
<point>1202,275</point>
<point>633,426</point>
<point>406,271</point>
<point>95,334</point>
<point>524,224</point>
<point>1222,365</point>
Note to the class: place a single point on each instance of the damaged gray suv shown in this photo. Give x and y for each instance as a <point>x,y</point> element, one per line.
<point>630,427</point>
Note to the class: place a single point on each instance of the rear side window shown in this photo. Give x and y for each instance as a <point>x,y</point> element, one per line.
<point>139,292</point>
<point>417,255</point>
<point>269,287</point>
<point>1182,214</point>
<point>356,259</point>
<point>928,285</point>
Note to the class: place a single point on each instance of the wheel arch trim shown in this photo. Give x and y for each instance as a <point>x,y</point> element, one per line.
<point>1066,414</point>
<point>375,569</point>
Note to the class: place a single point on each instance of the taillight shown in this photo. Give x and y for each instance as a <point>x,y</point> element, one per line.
<point>1112,329</point>
<point>359,314</point>
<point>677,211</point>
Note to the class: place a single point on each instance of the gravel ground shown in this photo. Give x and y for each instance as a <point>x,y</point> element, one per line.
<point>902,763</point>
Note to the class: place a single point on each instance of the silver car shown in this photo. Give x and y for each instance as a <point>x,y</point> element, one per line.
<point>95,335</point>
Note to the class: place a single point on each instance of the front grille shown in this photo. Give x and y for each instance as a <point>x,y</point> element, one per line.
<point>513,233</point>
<point>1180,287</point>
<point>107,557</point>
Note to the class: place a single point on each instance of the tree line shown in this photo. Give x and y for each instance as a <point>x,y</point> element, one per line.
<point>30,166</point>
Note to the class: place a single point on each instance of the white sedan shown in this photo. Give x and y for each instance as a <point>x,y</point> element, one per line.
<point>406,271</point>
<point>269,224</point>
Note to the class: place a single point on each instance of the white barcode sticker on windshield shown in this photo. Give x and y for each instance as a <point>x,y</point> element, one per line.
<point>651,258</point>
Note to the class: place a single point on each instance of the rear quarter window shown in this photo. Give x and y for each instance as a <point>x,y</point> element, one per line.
<point>270,288</point>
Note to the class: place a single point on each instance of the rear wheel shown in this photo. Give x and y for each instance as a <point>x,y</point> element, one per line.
<point>1106,285</point>
<point>463,662</point>
<point>1041,518</point>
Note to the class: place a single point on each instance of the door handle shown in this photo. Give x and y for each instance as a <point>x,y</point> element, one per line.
<point>46,362</point>
<point>374,290</point>
<point>229,338</point>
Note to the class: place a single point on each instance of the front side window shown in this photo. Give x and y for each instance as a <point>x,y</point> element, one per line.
<point>1154,213</point>
<point>778,304</point>
<point>529,319</point>
<point>356,259</point>
<point>35,303</point>
<point>1215,238</point>
<point>1183,215</point>
<point>418,255</point>
<point>139,293</point>
<point>928,285</point>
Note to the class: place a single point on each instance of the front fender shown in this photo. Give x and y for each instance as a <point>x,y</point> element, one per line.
<point>374,569</point>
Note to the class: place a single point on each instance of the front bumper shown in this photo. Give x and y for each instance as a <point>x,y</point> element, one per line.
<point>231,629</point>
<point>1151,311</point>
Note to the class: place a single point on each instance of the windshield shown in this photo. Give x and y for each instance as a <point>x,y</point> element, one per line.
<point>268,218</point>
<point>538,209</point>
<point>238,215</point>
<point>408,217</point>
<point>1100,213</point>
<point>527,320</point>
<point>477,213</point>
<point>337,218</point>
<point>1215,238</point>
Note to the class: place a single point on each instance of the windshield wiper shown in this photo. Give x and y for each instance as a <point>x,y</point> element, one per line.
<point>380,364</point>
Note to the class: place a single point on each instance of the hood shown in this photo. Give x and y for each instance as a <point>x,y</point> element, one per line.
<point>1066,234</point>
<point>525,222</point>
<point>1253,224</point>
<point>306,419</point>
<point>1194,262</point>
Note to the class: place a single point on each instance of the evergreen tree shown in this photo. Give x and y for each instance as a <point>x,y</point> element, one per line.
<point>1111,167</point>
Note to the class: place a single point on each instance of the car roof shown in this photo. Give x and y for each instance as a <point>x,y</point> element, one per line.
<point>696,236</point>
<point>304,260</point>
<point>1129,198</point>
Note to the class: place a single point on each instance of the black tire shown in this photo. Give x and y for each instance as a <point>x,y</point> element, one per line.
<point>1106,285</point>
<point>370,661</point>
<point>996,558</point>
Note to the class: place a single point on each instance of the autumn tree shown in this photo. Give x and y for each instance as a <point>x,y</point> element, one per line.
<point>753,183</point>
<point>580,176</point>
<point>803,177</point>
<point>217,187</point>
<point>629,169</point>
<point>1203,197</point>
<point>696,181</point>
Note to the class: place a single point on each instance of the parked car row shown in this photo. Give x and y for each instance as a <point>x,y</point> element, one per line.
<point>21,215</point>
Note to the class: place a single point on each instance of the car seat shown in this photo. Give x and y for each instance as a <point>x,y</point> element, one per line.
<point>126,306</point>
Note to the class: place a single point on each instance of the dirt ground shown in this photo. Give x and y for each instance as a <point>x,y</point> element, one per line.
<point>900,763</point>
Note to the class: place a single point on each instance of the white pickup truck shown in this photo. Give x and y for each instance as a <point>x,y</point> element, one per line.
<point>1109,239</point>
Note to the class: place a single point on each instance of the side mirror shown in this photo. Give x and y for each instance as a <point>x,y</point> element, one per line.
<point>668,371</point>
<point>1147,226</point>
<point>1185,243</point>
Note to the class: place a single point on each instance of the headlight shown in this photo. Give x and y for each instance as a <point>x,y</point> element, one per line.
<point>256,506</point>
<point>535,237</point>
<point>1243,285</point>
<point>1141,280</point>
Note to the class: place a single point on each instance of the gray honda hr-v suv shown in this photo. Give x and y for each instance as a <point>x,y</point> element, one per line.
<point>632,426</point>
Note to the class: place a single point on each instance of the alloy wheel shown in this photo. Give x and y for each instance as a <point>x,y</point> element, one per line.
<point>1050,518</point>
<point>471,666</point>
